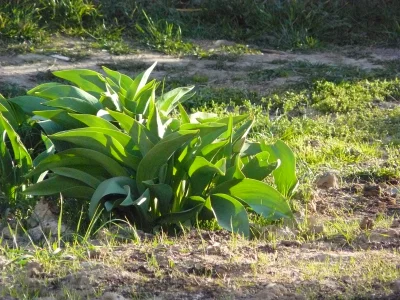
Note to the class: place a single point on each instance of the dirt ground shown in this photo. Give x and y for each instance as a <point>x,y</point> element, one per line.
<point>24,69</point>
<point>282,263</point>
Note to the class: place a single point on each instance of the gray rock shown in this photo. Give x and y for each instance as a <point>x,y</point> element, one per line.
<point>219,43</point>
<point>271,292</point>
<point>7,234</point>
<point>396,286</point>
<point>112,296</point>
<point>327,181</point>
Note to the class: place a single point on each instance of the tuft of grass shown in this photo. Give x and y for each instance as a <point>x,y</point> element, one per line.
<point>165,37</point>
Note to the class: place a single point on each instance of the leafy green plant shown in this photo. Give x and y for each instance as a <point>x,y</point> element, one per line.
<point>118,146</point>
<point>15,160</point>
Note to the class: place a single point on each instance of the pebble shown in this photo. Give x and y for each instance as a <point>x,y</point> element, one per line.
<point>327,181</point>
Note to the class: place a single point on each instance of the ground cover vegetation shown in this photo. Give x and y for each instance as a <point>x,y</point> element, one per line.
<point>284,24</point>
<point>218,173</point>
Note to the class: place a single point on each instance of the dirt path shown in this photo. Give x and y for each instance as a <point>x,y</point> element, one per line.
<point>224,71</point>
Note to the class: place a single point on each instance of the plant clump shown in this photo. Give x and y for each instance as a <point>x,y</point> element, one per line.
<point>111,142</point>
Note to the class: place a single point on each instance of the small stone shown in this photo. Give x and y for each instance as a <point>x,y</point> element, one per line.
<point>33,269</point>
<point>289,243</point>
<point>112,296</point>
<point>311,207</point>
<point>317,229</point>
<point>286,233</point>
<point>69,257</point>
<point>314,143</point>
<point>396,286</point>
<point>366,223</point>
<point>36,234</point>
<point>220,43</point>
<point>271,292</point>
<point>356,188</point>
<point>7,234</point>
<point>230,109</point>
<point>61,57</point>
<point>243,109</point>
<point>395,191</point>
<point>378,237</point>
<point>372,190</point>
<point>395,223</point>
<point>327,181</point>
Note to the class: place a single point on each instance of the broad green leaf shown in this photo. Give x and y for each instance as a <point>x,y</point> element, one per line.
<point>201,173</point>
<point>205,213</point>
<point>140,134</point>
<point>233,172</point>
<point>94,121</point>
<point>59,91</point>
<point>81,191</point>
<point>54,185</point>
<point>159,155</point>
<point>184,116</point>
<point>72,104</point>
<point>240,135</point>
<point>79,157</point>
<point>171,125</point>
<point>84,177</point>
<point>143,98</point>
<point>110,99</point>
<point>113,143</point>
<point>154,123</point>
<point>250,148</point>
<point>181,216</point>
<point>118,78</point>
<point>210,150</point>
<point>205,128</point>
<point>88,80</point>
<point>30,103</point>
<point>198,117</point>
<point>230,214</point>
<point>112,186</point>
<point>224,120</point>
<point>6,161</point>
<point>8,112</point>
<point>143,201</point>
<point>242,131</point>
<point>38,89</point>
<point>21,154</point>
<point>168,101</point>
<point>59,116</point>
<point>227,151</point>
<point>49,126</point>
<point>130,200</point>
<point>260,166</point>
<point>163,193</point>
<point>261,197</point>
<point>138,83</point>
<point>285,176</point>
<point>50,149</point>
<point>119,90</point>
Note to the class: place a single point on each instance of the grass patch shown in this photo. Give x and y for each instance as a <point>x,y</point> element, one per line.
<point>306,24</point>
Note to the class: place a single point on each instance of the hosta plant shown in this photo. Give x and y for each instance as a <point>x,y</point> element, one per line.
<point>121,149</point>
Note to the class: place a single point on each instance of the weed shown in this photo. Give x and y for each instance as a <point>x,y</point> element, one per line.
<point>165,37</point>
